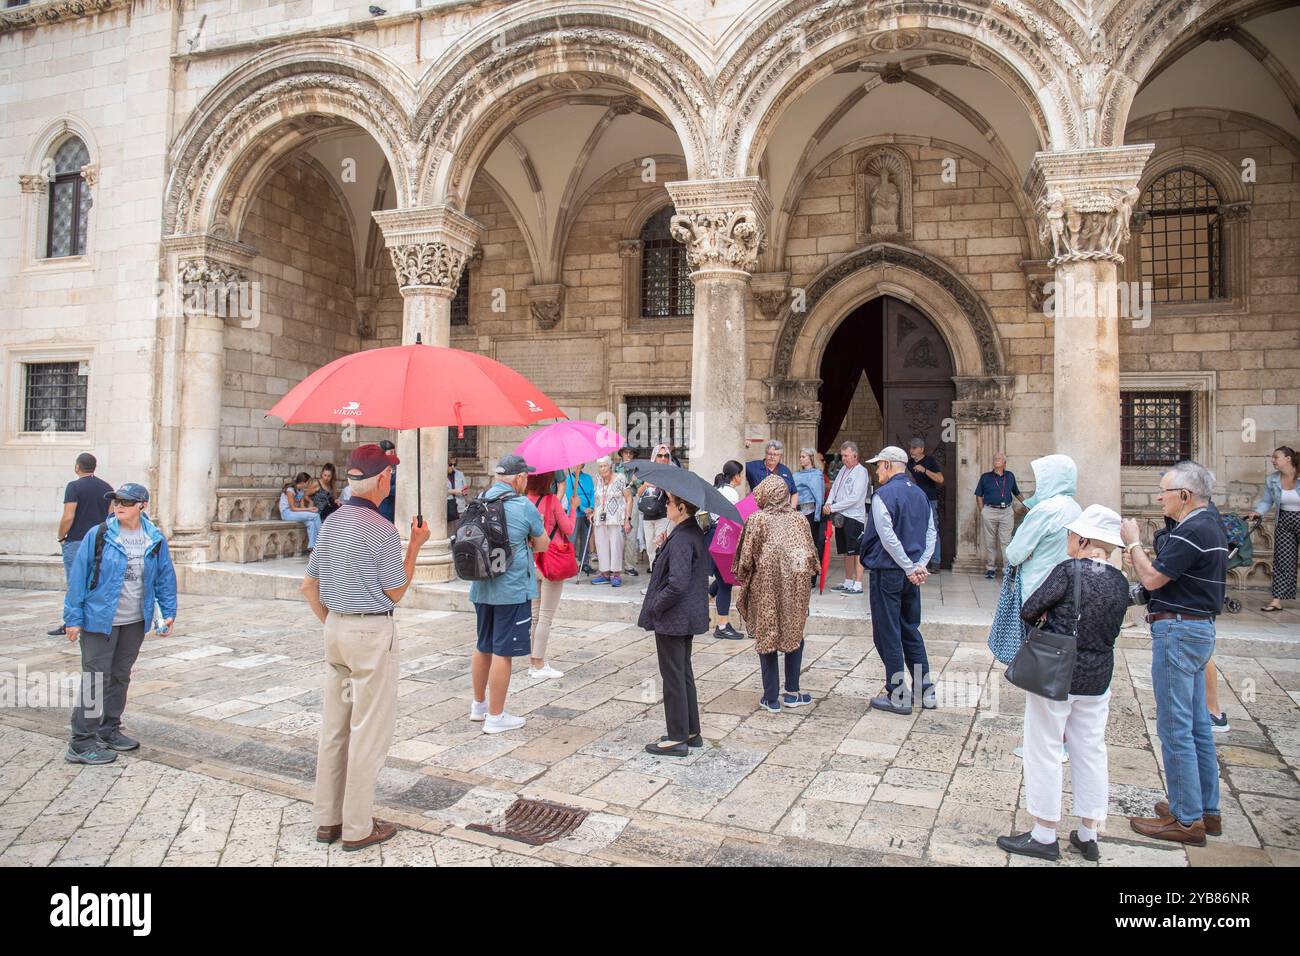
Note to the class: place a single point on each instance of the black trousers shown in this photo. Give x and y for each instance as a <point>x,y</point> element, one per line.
<point>681,707</point>
<point>106,662</point>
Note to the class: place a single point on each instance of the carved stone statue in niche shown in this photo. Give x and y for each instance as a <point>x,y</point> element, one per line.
<point>884,195</point>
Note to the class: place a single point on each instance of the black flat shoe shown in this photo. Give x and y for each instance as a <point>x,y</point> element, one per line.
<point>1088,848</point>
<point>57,632</point>
<point>632,572</point>
<point>696,741</point>
<point>1024,844</point>
<point>676,750</point>
<point>892,703</point>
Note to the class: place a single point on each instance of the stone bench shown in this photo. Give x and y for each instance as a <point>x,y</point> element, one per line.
<point>249,529</point>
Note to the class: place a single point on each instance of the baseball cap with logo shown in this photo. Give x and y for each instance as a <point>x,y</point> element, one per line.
<point>129,492</point>
<point>366,461</point>
<point>511,465</point>
<point>889,453</point>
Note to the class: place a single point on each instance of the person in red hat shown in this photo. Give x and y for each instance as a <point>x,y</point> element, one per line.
<point>355,577</point>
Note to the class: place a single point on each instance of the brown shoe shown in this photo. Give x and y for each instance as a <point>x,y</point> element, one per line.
<point>1167,828</point>
<point>1213,822</point>
<point>329,834</point>
<point>383,830</point>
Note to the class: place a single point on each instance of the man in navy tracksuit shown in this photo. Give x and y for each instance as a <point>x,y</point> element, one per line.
<point>896,547</point>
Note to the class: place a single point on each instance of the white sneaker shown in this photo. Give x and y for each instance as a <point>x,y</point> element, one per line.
<point>502,722</point>
<point>477,711</point>
<point>545,671</point>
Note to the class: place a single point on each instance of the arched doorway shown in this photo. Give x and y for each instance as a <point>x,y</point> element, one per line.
<point>887,377</point>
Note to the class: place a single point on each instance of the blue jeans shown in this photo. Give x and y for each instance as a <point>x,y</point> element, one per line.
<point>70,549</point>
<point>1179,652</point>
<point>938,538</point>
<point>309,518</point>
<point>896,628</point>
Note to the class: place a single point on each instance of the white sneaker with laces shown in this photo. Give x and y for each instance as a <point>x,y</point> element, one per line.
<point>477,711</point>
<point>500,723</point>
<point>545,671</point>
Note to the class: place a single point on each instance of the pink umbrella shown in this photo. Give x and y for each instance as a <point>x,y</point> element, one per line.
<point>568,443</point>
<point>726,538</point>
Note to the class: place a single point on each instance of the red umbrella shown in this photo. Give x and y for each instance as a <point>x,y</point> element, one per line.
<point>415,386</point>
<point>826,559</point>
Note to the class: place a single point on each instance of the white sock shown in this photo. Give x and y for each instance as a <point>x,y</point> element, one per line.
<point>1085,834</point>
<point>1042,834</point>
<point>479,706</point>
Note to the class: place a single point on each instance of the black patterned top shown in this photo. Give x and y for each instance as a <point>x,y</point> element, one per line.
<point>1103,592</point>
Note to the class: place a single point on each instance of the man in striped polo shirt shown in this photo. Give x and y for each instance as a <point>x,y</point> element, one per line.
<point>355,577</point>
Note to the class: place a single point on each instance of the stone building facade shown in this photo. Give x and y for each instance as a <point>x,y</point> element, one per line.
<point>1020,224</point>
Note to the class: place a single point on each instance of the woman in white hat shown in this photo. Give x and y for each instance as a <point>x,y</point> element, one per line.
<point>1079,721</point>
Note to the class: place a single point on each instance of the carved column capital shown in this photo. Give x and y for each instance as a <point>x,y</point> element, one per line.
<point>213,279</point>
<point>34,183</point>
<point>630,248</point>
<point>1234,210</point>
<point>429,245</point>
<point>90,173</point>
<point>769,289</point>
<point>546,302</point>
<point>722,222</point>
<point>1085,200</point>
<point>793,400</point>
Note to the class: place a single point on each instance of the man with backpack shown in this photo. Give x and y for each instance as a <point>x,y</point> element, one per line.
<point>121,570</point>
<point>493,549</point>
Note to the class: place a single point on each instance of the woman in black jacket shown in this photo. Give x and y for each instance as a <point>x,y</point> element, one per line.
<point>676,608</point>
<point>1080,720</point>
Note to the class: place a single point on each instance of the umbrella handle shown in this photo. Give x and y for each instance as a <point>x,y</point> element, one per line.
<point>419,473</point>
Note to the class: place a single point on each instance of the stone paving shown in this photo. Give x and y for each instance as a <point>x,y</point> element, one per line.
<point>228,710</point>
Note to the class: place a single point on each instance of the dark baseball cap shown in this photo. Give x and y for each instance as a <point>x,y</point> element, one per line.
<point>514,465</point>
<point>366,461</point>
<point>129,492</point>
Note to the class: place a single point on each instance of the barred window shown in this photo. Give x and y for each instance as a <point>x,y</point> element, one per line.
<point>1156,428</point>
<point>1182,242</point>
<point>460,304</point>
<point>69,201</point>
<point>666,288</point>
<point>54,397</point>
<point>658,419</point>
<point>461,448</point>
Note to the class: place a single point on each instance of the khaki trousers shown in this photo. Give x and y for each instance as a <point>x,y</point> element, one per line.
<point>998,524</point>
<point>548,593</point>
<point>359,712</point>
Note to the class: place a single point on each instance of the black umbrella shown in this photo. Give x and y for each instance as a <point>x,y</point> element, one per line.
<point>688,486</point>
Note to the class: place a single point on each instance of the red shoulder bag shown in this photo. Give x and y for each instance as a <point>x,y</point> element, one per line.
<point>558,562</point>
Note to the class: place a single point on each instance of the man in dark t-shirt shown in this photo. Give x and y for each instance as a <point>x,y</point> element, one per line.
<point>84,506</point>
<point>927,476</point>
<point>1186,582</point>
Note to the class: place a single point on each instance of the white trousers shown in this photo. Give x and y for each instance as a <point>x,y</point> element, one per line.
<point>652,531</point>
<point>609,548</point>
<point>1079,722</point>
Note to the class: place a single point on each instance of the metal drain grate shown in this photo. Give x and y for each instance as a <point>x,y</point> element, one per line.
<point>534,822</point>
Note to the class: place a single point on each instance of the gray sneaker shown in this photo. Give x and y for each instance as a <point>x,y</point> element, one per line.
<point>93,755</point>
<point>116,740</point>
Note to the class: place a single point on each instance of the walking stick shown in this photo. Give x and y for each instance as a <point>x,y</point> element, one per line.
<point>585,545</point>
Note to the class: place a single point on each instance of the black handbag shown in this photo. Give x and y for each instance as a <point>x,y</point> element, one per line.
<point>1044,665</point>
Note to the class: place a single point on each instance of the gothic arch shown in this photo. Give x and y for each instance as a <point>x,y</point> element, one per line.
<point>805,41</point>
<point>887,269</point>
<point>478,88</point>
<point>273,103</point>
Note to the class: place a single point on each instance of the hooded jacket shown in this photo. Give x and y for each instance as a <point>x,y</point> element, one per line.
<point>93,610</point>
<point>1039,544</point>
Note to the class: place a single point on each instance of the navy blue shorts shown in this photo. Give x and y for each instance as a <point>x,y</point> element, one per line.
<point>505,629</point>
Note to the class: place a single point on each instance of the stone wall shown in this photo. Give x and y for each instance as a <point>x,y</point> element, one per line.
<point>308,319</point>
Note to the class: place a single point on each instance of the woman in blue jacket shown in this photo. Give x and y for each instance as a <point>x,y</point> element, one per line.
<point>121,571</point>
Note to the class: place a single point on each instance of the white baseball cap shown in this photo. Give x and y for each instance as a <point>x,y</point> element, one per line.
<point>1097,523</point>
<point>890,453</point>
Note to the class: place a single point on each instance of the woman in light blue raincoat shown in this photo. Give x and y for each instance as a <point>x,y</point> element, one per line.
<point>1040,542</point>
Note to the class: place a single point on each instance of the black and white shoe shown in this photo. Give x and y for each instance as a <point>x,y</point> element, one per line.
<point>1220,723</point>
<point>728,633</point>
<point>632,572</point>
<point>1024,844</point>
<point>1088,848</point>
<point>59,631</point>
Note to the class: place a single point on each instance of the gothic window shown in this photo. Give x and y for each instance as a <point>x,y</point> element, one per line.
<point>1156,428</point>
<point>54,397</point>
<point>666,288</point>
<point>460,305</point>
<point>1182,240</point>
<point>69,201</point>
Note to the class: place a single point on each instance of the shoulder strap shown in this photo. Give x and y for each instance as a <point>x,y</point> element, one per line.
<point>97,557</point>
<point>1078,607</point>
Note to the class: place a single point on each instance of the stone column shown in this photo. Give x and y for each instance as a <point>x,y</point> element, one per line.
<point>982,411</point>
<point>793,413</point>
<point>1084,200</point>
<point>722,222</point>
<point>209,286</point>
<point>430,246</point>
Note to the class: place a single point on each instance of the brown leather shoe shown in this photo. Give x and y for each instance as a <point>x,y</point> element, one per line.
<point>329,834</point>
<point>383,830</point>
<point>1213,822</point>
<point>1167,828</point>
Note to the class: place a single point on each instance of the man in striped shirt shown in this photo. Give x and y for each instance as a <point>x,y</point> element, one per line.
<point>1186,581</point>
<point>355,577</point>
